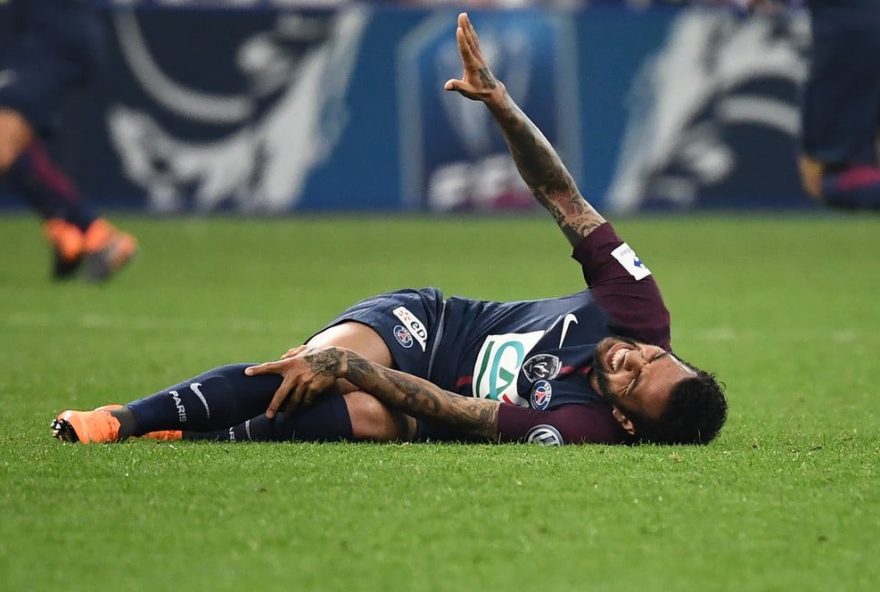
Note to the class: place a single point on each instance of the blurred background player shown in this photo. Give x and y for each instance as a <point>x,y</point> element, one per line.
<point>840,116</point>
<point>55,47</point>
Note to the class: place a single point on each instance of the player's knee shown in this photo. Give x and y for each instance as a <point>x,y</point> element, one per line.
<point>371,420</point>
<point>357,337</point>
<point>15,135</point>
<point>8,155</point>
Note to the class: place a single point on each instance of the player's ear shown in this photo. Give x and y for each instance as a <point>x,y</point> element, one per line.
<point>624,421</point>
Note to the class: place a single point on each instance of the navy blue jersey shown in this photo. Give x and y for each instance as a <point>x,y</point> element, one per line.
<point>537,355</point>
<point>533,356</point>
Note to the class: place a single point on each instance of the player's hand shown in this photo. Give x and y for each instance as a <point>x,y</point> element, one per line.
<point>477,83</point>
<point>306,372</point>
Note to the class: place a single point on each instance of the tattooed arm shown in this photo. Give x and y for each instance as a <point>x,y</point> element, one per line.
<point>537,161</point>
<point>308,371</point>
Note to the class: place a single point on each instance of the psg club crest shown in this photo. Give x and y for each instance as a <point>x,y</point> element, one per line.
<point>541,393</point>
<point>403,336</point>
<point>542,367</point>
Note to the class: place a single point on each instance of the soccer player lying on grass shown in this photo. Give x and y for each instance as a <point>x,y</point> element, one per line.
<point>592,367</point>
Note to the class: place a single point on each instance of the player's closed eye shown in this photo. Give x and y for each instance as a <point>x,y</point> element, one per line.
<point>629,388</point>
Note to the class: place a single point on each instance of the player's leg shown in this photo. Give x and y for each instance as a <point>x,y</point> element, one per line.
<point>353,416</point>
<point>224,397</point>
<point>15,135</point>
<point>29,103</point>
<point>345,415</point>
<point>841,102</point>
<point>210,401</point>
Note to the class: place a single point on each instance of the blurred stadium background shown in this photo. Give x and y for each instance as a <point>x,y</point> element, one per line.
<point>275,106</point>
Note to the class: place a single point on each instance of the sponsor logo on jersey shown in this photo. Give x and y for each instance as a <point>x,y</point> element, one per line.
<point>498,365</point>
<point>545,435</point>
<point>415,326</point>
<point>403,336</point>
<point>542,366</point>
<point>630,261</point>
<point>541,393</point>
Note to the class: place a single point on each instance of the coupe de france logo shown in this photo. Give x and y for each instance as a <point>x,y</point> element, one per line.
<point>541,393</point>
<point>403,336</point>
<point>282,123</point>
<point>545,435</point>
<point>498,364</point>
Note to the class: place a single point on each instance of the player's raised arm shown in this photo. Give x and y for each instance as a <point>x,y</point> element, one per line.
<point>535,158</point>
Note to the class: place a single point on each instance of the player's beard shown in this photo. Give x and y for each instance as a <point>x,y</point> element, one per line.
<point>602,375</point>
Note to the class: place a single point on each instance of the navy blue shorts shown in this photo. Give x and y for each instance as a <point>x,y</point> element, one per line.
<point>409,321</point>
<point>841,101</point>
<point>46,63</point>
<point>411,324</point>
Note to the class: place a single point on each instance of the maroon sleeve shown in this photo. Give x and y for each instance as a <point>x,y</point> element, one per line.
<point>568,424</point>
<point>635,306</point>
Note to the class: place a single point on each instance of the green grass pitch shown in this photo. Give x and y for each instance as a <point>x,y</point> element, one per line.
<point>784,309</point>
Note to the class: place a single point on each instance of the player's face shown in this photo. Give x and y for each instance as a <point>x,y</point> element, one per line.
<point>636,377</point>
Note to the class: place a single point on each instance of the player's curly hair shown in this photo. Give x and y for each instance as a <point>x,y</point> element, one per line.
<point>694,414</point>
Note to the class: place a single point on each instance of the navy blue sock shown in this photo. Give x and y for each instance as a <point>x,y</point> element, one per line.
<point>211,401</point>
<point>49,190</point>
<point>854,188</point>
<point>327,420</point>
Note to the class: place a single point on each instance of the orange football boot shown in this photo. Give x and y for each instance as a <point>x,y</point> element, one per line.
<point>87,427</point>
<point>164,435</point>
<point>72,422</point>
<point>68,245</point>
<point>107,250</point>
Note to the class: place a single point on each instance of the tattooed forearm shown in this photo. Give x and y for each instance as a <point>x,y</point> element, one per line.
<point>544,173</point>
<point>421,398</point>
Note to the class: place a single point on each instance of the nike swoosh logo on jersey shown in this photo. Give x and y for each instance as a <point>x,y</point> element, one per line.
<point>566,323</point>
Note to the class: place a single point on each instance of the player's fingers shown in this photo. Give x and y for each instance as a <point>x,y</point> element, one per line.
<point>464,23</point>
<point>296,398</point>
<point>463,48</point>
<point>464,88</point>
<point>293,352</point>
<point>470,35</point>
<point>279,397</point>
<point>264,368</point>
<point>469,47</point>
<point>309,396</point>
